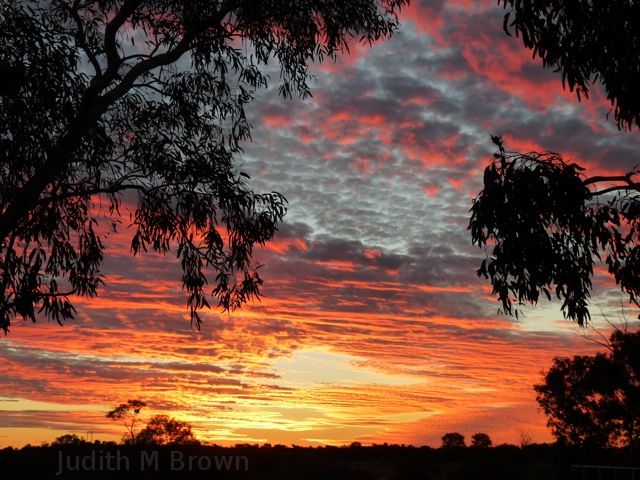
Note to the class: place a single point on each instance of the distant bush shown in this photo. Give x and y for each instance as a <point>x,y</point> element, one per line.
<point>68,439</point>
<point>453,440</point>
<point>481,440</point>
<point>162,430</point>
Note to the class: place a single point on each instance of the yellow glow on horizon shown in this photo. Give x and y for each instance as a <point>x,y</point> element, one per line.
<point>322,366</point>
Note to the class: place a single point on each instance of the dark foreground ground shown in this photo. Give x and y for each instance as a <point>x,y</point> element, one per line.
<point>97,461</point>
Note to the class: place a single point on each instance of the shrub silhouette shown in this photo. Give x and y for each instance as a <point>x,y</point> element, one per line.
<point>453,440</point>
<point>163,430</point>
<point>481,440</point>
<point>68,439</point>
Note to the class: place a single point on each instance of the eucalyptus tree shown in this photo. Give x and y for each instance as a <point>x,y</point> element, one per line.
<point>594,400</point>
<point>542,221</point>
<point>107,102</point>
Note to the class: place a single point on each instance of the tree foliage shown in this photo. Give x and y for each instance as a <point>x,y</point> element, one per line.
<point>68,439</point>
<point>543,224</point>
<point>481,440</point>
<point>595,400</point>
<point>586,42</point>
<point>453,440</point>
<point>129,414</point>
<point>104,98</point>
<point>163,430</point>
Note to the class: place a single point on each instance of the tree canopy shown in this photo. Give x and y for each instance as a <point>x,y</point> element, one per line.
<point>586,42</point>
<point>159,430</point>
<point>453,440</point>
<point>129,414</point>
<point>546,223</point>
<point>104,98</point>
<point>68,439</point>
<point>541,220</point>
<point>595,400</point>
<point>163,430</point>
<point>481,440</point>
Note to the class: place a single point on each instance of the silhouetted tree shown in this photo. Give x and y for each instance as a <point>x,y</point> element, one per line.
<point>595,400</point>
<point>481,440</point>
<point>546,223</point>
<point>453,440</point>
<point>545,220</point>
<point>68,439</point>
<point>106,97</point>
<point>128,413</point>
<point>524,439</point>
<point>162,430</point>
<point>585,42</point>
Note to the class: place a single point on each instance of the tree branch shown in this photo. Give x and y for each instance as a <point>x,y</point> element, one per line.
<point>111,31</point>
<point>95,191</point>
<point>630,184</point>
<point>82,41</point>
<point>166,58</point>
<point>614,178</point>
<point>92,106</point>
<point>617,188</point>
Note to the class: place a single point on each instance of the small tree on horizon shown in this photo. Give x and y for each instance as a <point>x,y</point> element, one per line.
<point>128,413</point>
<point>68,439</point>
<point>453,440</point>
<point>165,430</point>
<point>481,440</point>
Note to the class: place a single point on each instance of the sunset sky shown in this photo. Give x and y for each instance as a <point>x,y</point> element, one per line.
<point>373,326</point>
